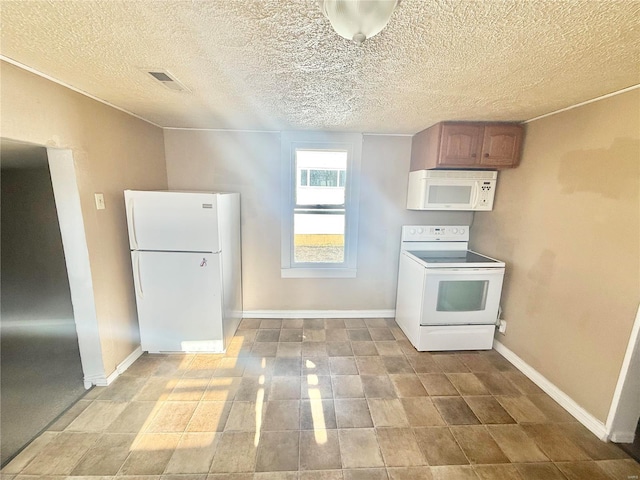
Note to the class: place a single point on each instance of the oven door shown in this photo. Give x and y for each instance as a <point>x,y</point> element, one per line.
<point>461,296</point>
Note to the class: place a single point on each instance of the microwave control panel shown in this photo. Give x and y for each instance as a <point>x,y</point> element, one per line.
<point>485,193</point>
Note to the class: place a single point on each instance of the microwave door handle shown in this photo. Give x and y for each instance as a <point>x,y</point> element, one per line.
<point>476,194</point>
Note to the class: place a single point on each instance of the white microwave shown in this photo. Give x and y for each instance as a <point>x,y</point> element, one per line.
<point>471,190</point>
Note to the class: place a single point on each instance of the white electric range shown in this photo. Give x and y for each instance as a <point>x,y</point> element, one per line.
<point>448,296</point>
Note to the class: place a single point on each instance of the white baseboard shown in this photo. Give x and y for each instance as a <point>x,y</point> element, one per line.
<point>319,314</point>
<point>103,381</point>
<point>585,418</point>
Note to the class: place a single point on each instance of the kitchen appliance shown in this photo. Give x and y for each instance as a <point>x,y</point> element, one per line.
<point>471,190</point>
<point>185,253</point>
<point>448,296</point>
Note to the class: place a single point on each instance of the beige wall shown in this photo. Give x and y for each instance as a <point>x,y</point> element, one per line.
<point>250,164</point>
<point>112,151</point>
<point>567,222</point>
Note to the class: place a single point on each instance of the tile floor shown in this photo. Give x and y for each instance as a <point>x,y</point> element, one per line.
<point>320,399</point>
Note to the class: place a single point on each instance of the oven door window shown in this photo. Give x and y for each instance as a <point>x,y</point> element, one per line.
<point>462,295</point>
<point>450,194</point>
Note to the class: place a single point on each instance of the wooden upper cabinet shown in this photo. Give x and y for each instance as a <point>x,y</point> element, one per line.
<point>467,145</point>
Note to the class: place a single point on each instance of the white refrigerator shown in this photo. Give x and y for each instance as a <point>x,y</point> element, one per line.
<point>185,254</point>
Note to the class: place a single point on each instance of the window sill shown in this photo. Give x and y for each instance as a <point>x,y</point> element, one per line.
<point>318,273</point>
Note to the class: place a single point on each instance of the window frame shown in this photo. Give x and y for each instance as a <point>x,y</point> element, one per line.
<point>352,144</point>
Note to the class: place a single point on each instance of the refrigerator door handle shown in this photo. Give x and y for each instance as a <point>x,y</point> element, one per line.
<point>132,225</point>
<point>136,274</point>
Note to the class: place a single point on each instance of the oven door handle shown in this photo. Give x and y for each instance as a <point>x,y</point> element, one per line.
<point>465,271</point>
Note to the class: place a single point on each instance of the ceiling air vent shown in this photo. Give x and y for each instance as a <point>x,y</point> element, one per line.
<point>166,79</point>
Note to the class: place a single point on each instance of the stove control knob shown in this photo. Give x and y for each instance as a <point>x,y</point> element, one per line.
<point>412,231</point>
<point>420,231</point>
<point>455,231</point>
<point>462,231</point>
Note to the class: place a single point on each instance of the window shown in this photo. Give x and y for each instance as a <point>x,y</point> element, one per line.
<point>320,206</point>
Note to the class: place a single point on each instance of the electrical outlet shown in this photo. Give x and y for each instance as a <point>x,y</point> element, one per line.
<point>99,201</point>
<point>502,327</point>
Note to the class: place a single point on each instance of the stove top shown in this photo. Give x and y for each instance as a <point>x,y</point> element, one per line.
<point>454,258</point>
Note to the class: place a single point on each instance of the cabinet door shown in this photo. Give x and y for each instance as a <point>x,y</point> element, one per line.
<point>501,145</point>
<point>460,145</point>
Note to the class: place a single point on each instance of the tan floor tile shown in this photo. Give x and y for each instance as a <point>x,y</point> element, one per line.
<point>476,363</point>
<point>258,366</point>
<point>317,387</point>
<point>539,471</point>
<point>249,323</point>
<point>316,366</point>
<point>245,417</point>
<point>404,343</point>
<point>317,415</point>
<point>222,389</point>
<point>292,323</point>
<point>209,417</point>
<point>310,335</point>
<point>204,365</point>
<point>592,445</point>
<point>399,447</point>
<point>354,323</point>
<point>97,417</point>
<point>582,470</point>
<point>408,385</point>
<point>314,348</point>
<point>353,413</point>
<point>281,415</point>
<point>194,453</point>
<point>497,472</point>
<point>370,366</point>
<point>478,445</point>
<point>377,386</point>
<point>421,412</point>
<point>439,446</point>
<point>333,323</point>
<point>134,418</point>
<point>387,412</point>
<point>174,365</point>
<point>278,451</point>
<point>287,366</point>
<point>285,388</point>
<point>624,469</point>
<point>453,473</point>
<point>69,416</point>
<point>365,474</point>
<point>150,454</point>
<point>381,334</point>
<point>359,448</point>
<point>25,456</point>
<point>123,389</point>
<point>271,323</point>
<point>364,349</point>
<point>172,417</point>
<point>227,476</point>
<point>397,364</point>
<point>275,476</point>
<point>376,322</point>
<point>289,350</point>
<point>388,348</point>
<point>409,473</point>
<point>553,443</point>
<point>252,389</point>
<point>455,411</point>
<point>319,450</point>
<point>521,409</point>
<point>156,389</point>
<point>145,366</point>
<point>321,475</point>
<point>497,384</point>
<point>267,336</point>
<point>522,383</point>
<point>347,386</point>
<point>450,363</point>
<point>236,452</point>
<point>467,384</point>
<point>291,335</point>
<point>61,453</point>
<point>229,367</point>
<point>423,363</point>
<point>264,349</point>
<point>336,335</point>
<point>399,335</point>
<point>313,323</point>
<point>189,389</point>
<point>339,349</point>
<point>516,444</point>
<point>359,335</point>
<point>437,384</point>
<point>552,410</point>
<point>343,366</point>
<point>488,410</point>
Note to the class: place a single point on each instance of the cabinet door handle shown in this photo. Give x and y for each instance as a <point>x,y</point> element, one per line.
<point>486,155</point>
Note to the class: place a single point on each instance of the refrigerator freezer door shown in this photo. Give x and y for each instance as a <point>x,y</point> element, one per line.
<point>179,298</point>
<point>172,221</point>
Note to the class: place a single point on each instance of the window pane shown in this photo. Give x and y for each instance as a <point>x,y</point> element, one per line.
<point>341,178</point>
<point>462,295</point>
<point>321,168</point>
<point>318,237</point>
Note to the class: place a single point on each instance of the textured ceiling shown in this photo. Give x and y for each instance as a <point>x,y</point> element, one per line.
<point>276,64</point>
